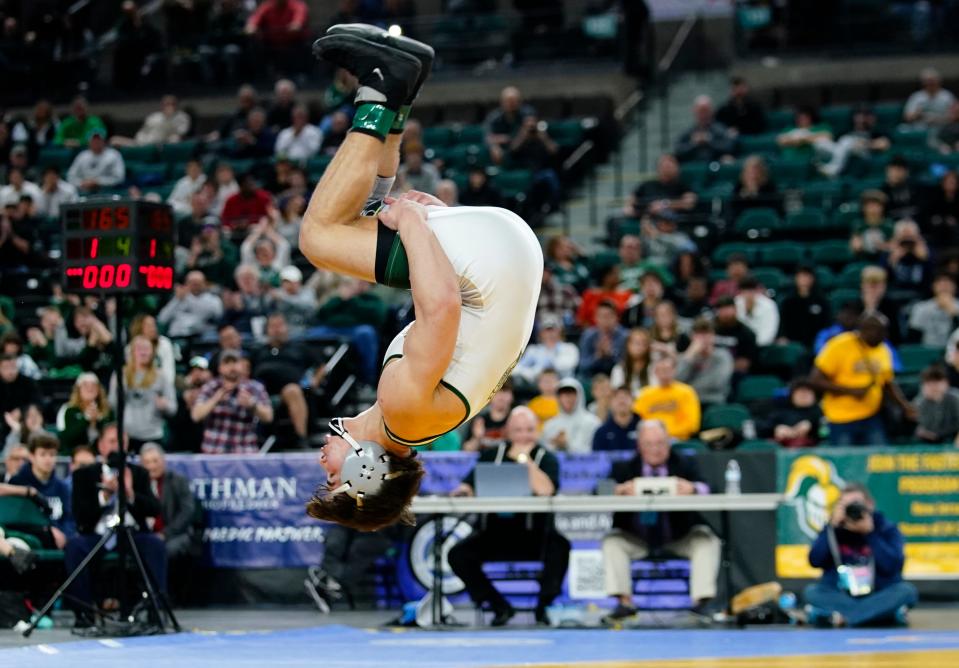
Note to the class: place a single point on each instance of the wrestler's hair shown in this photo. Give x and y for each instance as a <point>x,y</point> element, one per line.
<point>389,505</point>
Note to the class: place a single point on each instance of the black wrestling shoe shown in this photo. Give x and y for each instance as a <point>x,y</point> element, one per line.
<point>386,75</point>
<point>422,52</point>
<point>502,615</point>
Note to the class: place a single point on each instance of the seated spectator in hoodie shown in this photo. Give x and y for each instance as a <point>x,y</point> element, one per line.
<point>40,475</point>
<point>706,368</point>
<point>742,113</point>
<point>664,241</point>
<point>795,425</point>
<point>618,432</point>
<point>869,548</point>
<point>938,407</point>
<point>673,403</point>
<point>757,311</point>
<point>551,352</point>
<point>98,167</point>
<point>804,311</point>
<point>545,405</point>
<point>935,319</point>
<point>871,232</point>
<point>572,429</point>
<point>903,197</point>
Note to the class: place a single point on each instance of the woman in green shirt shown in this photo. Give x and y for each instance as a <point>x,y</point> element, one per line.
<point>83,417</point>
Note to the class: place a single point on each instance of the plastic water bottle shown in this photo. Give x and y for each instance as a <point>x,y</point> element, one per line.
<point>733,477</point>
<point>749,430</point>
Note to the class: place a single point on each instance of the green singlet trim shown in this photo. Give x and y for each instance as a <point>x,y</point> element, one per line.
<point>392,267</point>
<point>400,122</point>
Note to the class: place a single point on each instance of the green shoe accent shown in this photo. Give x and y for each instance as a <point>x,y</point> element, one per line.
<point>373,119</point>
<point>400,121</point>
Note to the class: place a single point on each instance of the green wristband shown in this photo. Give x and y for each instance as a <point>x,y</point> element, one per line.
<point>400,122</point>
<point>373,119</point>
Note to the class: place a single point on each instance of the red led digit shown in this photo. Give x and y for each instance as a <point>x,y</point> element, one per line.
<point>153,248</point>
<point>94,246</point>
<point>122,218</point>
<point>90,275</point>
<point>123,275</point>
<point>107,273</point>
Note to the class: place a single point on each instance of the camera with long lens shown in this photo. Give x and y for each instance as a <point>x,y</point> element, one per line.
<point>855,511</point>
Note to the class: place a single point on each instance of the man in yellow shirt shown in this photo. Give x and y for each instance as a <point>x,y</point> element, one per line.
<point>854,370</point>
<point>675,404</point>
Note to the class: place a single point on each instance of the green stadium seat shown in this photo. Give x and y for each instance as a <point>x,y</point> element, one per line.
<point>783,254</point>
<point>694,174</point>
<point>783,359</point>
<point>567,133</point>
<point>822,194</point>
<point>838,118</point>
<point>725,172</point>
<point>831,253</point>
<point>764,145</point>
<point>161,191</point>
<point>757,223</point>
<point>846,217</point>
<point>723,191</point>
<point>914,358</point>
<point>789,172</point>
<point>145,173</point>
<point>758,445</point>
<point>723,251</point>
<point>240,166</point>
<point>840,296</point>
<point>780,119</point>
<point>438,136</point>
<point>60,157</point>
<point>825,279</point>
<point>771,278</point>
<point>603,260</point>
<point>757,388</point>
<point>728,415</point>
<point>807,219</point>
<point>470,134</point>
<point>692,446</point>
<point>513,182</point>
<point>465,156</point>
<point>851,276</point>
<point>139,153</point>
<point>908,138</point>
<point>180,151</point>
<point>21,518</point>
<point>888,114</point>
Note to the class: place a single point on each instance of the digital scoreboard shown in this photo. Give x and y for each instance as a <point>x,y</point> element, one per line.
<point>117,246</point>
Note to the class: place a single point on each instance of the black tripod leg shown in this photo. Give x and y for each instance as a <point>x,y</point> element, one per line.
<point>66,583</point>
<point>148,582</point>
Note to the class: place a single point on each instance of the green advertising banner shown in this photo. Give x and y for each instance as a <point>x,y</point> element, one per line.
<point>918,488</point>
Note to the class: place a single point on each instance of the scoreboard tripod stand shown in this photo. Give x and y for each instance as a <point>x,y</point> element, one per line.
<point>117,247</point>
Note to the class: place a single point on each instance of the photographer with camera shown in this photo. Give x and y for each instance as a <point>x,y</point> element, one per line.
<point>861,555</point>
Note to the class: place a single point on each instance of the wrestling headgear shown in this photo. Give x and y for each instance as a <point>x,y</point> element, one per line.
<point>364,469</point>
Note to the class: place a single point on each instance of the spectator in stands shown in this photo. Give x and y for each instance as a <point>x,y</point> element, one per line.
<point>246,101</point>
<point>247,206</point>
<point>15,458</point>
<point>641,307</point>
<point>504,123</point>
<point>742,113</point>
<point>929,106</point>
<point>281,365</point>
<point>757,311</point>
<point>572,428</point>
<point>608,291</point>
<point>903,199</point>
<point>447,192</point>
<point>12,344</point>
<point>704,367</point>
<point>294,302</point>
<point>230,408</point>
<point>946,139</point>
<point>556,298</point>
<point>563,259</point>
<point>795,425</point>
<point>863,140</point>
<point>618,432</point>
<point>737,268</point>
<point>755,189</point>
<point>54,192</point>
<point>94,502</point>
<point>16,237</point>
<point>354,308</point>
<point>18,187</point>
<point>16,390</point>
<point>76,128</point>
<point>665,192</point>
<point>281,112</point>
<point>338,96</point>
<point>871,233</point>
<point>707,140</point>
<point>189,434</point>
<point>935,319</point>
<point>673,403</point>
<point>545,405</point>
<point>193,309</point>
<point>937,407</point>
<point>266,248</point>
<point>185,188</point>
<point>24,424</point>
<point>514,536</point>
<point>83,418</point>
<point>212,255</point>
<point>40,475</point>
<point>167,126</point>
<point>733,335</point>
<point>695,300</point>
<point>667,333</point>
<point>940,216</point>
<point>602,392</point>
<point>249,303</point>
<point>255,140</point>
<point>854,371</point>
<point>417,173</point>
<point>41,341</point>
<point>870,547</point>
<point>664,241</point>
<point>846,318</point>
<point>301,140</point>
<point>291,215</point>
<point>224,185</point>
<point>479,190</point>
<point>601,346</point>
<point>635,535</point>
<point>489,427</point>
<point>174,523</point>
<point>145,325</point>
<point>800,142</point>
<point>39,130</point>
<point>632,266</point>
<point>804,311</point>
<point>634,370</point>
<point>533,149</point>
<point>97,167</point>
<point>92,342</point>
<point>335,133</point>
<point>282,26</point>
<point>551,352</point>
<point>149,396</point>
<point>908,260</point>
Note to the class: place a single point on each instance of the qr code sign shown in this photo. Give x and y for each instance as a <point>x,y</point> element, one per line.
<point>586,574</point>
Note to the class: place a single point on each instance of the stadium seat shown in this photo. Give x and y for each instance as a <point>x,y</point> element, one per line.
<point>840,296</point>
<point>783,360</point>
<point>771,278</point>
<point>725,172</point>
<point>780,119</point>
<point>603,260</point>
<point>838,118</point>
<point>831,253</point>
<point>888,114</point>
<point>850,277</point>
<point>466,156</point>
<point>908,138</point>
<point>437,136</point>
<point>783,254</point>
<point>692,446</point>
<point>19,513</point>
<point>758,445</point>
<point>723,251</point>
<point>757,223</point>
<point>764,145</point>
<point>914,358</point>
<point>822,194</point>
<point>694,174</point>
<point>60,157</point>
<point>757,388</point>
<point>824,278</point>
<point>846,216</point>
<point>139,153</point>
<point>470,134</point>
<point>179,152</point>
<point>805,220</point>
<point>729,415</point>
<point>567,133</point>
<point>789,172</point>
<point>513,183</point>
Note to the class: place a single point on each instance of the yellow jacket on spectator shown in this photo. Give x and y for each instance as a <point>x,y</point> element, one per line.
<point>544,407</point>
<point>677,406</point>
<point>846,360</point>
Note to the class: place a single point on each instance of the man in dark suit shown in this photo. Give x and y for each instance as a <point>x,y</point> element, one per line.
<point>634,535</point>
<point>175,523</point>
<point>94,505</point>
